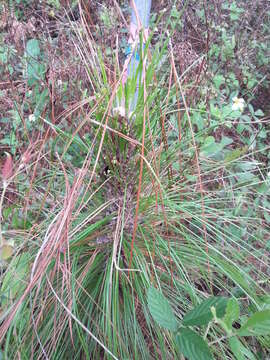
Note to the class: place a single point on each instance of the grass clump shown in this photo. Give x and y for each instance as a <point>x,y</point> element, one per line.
<point>99,208</point>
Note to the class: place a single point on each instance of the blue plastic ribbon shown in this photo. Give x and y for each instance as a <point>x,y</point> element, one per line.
<point>129,50</point>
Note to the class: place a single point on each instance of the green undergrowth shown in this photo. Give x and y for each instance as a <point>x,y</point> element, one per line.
<point>92,224</point>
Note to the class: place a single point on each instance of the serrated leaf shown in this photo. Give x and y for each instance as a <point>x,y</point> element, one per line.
<point>201,314</point>
<point>257,324</point>
<point>232,312</point>
<point>161,310</point>
<point>239,350</point>
<point>192,345</point>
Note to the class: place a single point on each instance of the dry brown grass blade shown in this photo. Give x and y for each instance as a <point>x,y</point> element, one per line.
<point>55,242</point>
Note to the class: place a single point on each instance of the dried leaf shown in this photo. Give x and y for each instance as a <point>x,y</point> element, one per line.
<point>7,169</point>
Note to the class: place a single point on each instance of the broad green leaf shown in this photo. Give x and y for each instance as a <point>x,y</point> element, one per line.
<point>211,150</point>
<point>257,324</point>
<point>232,312</point>
<point>211,147</point>
<point>201,314</point>
<point>192,345</point>
<point>266,216</point>
<point>235,154</point>
<point>227,112</point>
<point>7,211</point>
<point>218,80</point>
<point>35,69</point>
<point>265,299</point>
<point>239,350</point>
<point>198,119</point>
<point>259,112</point>
<point>226,141</point>
<point>32,48</point>
<point>161,310</point>
<point>41,102</point>
<point>215,111</point>
<point>6,252</point>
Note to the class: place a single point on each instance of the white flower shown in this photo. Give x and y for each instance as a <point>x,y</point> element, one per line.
<point>32,118</point>
<point>238,104</point>
<point>119,110</point>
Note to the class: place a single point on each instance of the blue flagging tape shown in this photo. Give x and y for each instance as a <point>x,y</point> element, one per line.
<point>129,50</point>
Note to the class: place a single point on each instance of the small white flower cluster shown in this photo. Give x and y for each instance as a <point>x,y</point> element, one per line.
<point>32,118</point>
<point>238,104</point>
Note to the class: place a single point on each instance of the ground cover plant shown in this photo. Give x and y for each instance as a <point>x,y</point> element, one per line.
<point>144,237</point>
